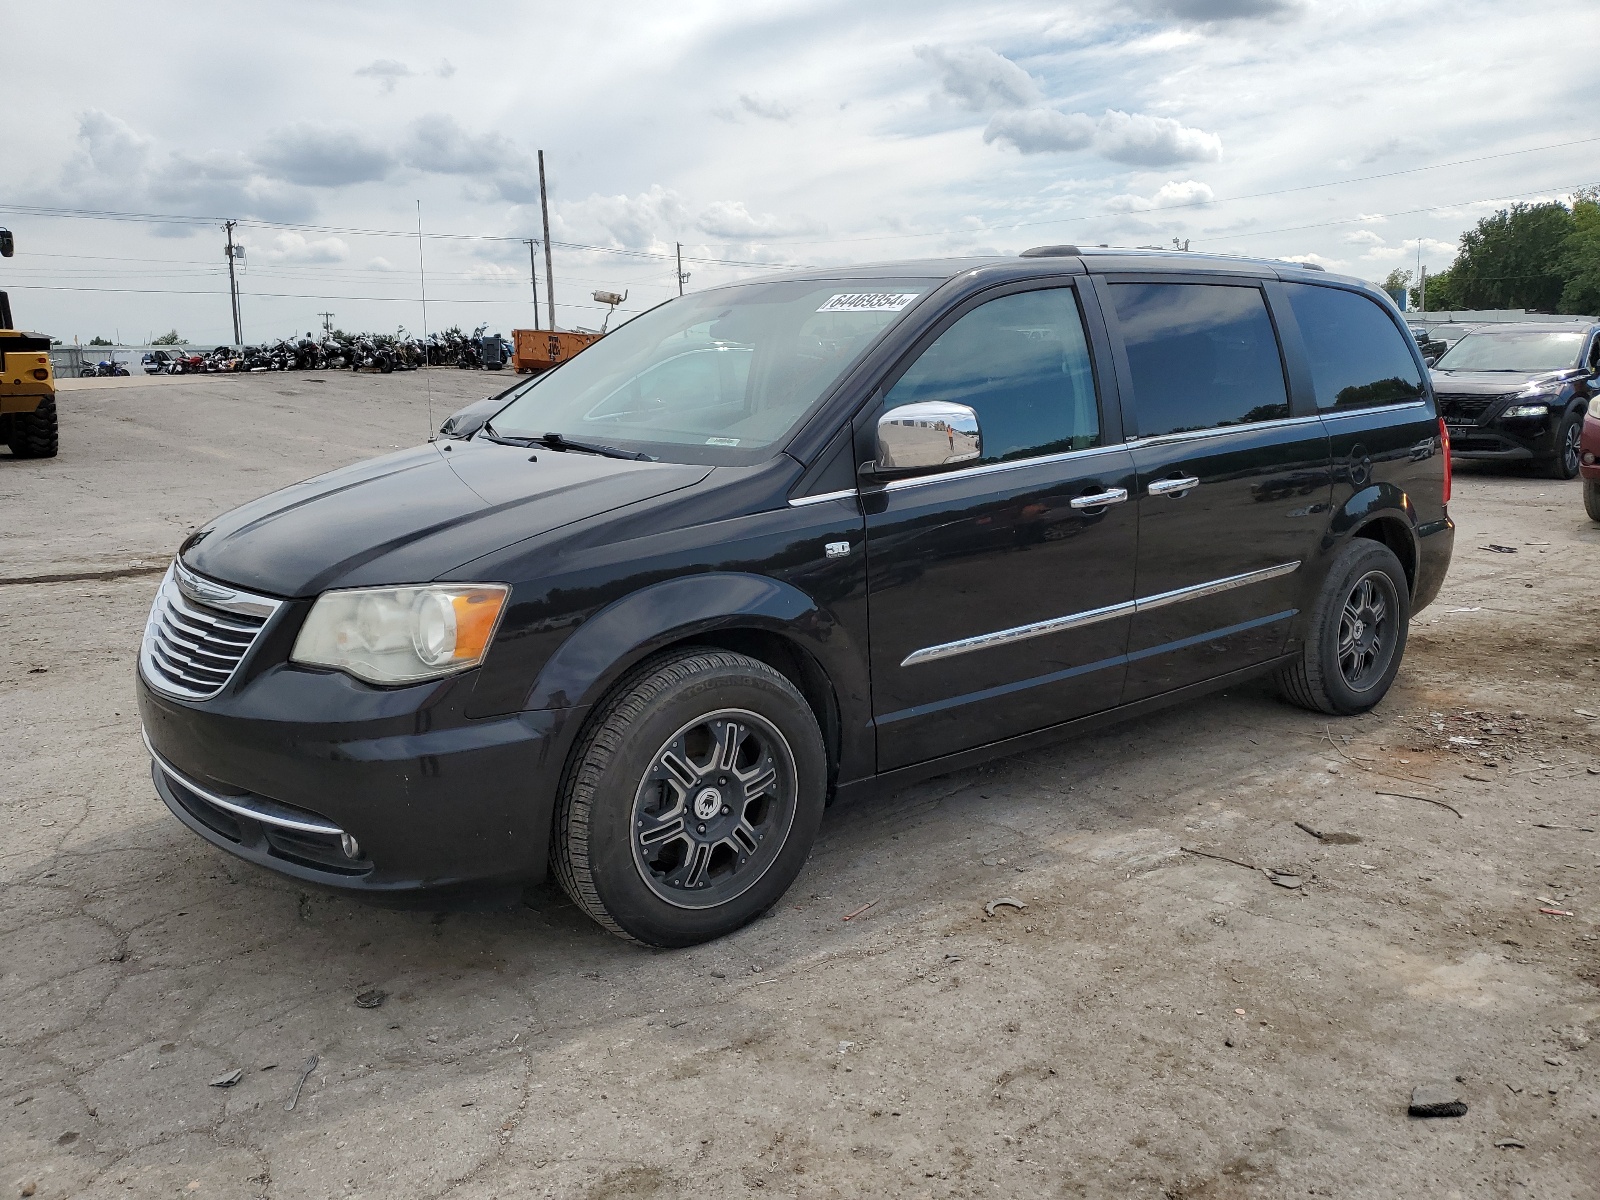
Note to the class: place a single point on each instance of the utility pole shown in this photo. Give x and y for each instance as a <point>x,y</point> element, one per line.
<point>682,278</point>
<point>549,267</point>
<point>1422,290</point>
<point>533,277</point>
<point>327,323</point>
<point>233,285</point>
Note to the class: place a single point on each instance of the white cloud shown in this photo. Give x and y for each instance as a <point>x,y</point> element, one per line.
<point>1041,130</point>
<point>1172,194</point>
<point>324,156</point>
<point>980,78</point>
<point>770,110</point>
<point>1364,237</point>
<point>297,248</point>
<point>1132,138</point>
<point>385,71</point>
<point>1145,141</point>
<point>1212,12</point>
<point>651,220</point>
<point>732,220</point>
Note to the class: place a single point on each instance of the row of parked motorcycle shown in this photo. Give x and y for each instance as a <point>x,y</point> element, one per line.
<point>382,353</point>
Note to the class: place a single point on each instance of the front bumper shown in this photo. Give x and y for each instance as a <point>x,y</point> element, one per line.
<point>281,770</point>
<point>1521,440</point>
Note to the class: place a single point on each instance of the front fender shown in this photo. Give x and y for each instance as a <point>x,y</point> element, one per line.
<point>605,647</point>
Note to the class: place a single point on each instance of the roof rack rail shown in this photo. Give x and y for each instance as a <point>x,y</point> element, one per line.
<point>1050,252</point>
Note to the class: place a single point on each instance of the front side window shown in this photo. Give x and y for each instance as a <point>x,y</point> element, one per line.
<point>1203,355</point>
<point>1358,358</point>
<point>721,376</point>
<point>1522,351</point>
<point>1022,364</point>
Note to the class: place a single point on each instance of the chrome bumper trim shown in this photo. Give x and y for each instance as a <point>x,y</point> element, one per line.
<point>258,808</point>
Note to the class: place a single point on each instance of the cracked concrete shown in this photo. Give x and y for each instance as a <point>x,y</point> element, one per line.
<point>1088,1045</point>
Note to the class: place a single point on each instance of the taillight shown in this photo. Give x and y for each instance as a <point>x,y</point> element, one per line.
<point>40,373</point>
<point>1444,444</point>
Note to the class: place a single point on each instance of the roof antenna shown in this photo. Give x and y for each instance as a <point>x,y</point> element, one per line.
<point>422,274</point>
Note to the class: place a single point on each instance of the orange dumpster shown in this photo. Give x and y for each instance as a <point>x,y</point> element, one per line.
<point>541,349</point>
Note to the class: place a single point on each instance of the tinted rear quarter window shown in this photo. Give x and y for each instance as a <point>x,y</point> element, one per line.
<point>1202,355</point>
<point>1359,359</point>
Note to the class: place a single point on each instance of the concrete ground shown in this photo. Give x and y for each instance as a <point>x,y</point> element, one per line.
<point>1152,1024</point>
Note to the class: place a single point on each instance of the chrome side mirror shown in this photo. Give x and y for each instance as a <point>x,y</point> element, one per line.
<point>928,435</point>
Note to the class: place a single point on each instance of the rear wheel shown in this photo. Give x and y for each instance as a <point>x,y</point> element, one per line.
<point>1565,464</point>
<point>1591,498</point>
<point>33,435</point>
<point>692,801</point>
<point>1356,636</point>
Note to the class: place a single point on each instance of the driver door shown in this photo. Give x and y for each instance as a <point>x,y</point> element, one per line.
<point>1000,592</point>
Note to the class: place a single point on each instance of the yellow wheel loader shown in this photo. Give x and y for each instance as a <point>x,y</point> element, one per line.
<point>27,383</point>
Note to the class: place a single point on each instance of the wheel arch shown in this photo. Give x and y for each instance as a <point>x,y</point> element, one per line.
<point>1382,513</point>
<point>766,619</point>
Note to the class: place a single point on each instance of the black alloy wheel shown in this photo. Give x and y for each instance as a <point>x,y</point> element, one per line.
<point>1568,452</point>
<point>692,798</point>
<point>1355,636</point>
<point>1367,631</point>
<point>713,809</point>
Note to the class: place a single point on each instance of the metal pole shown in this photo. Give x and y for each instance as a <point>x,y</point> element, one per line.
<point>533,279</point>
<point>1422,291</point>
<point>233,288</point>
<point>327,322</point>
<point>549,267</point>
<point>680,268</point>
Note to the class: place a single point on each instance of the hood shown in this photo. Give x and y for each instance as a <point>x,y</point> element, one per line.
<point>1496,383</point>
<point>412,516</point>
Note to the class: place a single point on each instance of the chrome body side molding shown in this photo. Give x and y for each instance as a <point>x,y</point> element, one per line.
<point>1018,633</point>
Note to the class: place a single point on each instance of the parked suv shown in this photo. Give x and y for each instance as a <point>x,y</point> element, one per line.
<point>796,540</point>
<point>1518,392</point>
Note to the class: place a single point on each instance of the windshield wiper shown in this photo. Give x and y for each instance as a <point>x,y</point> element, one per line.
<point>488,432</point>
<point>557,442</point>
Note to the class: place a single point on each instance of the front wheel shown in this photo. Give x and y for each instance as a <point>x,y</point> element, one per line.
<point>1356,635</point>
<point>1568,453</point>
<point>692,800</point>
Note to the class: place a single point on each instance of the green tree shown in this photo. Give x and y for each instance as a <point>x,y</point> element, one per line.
<point>99,341</point>
<point>1579,261</point>
<point>1510,260</point>
<point>1396,280</point>
<point>1444,293</point>
<point>169,338</point>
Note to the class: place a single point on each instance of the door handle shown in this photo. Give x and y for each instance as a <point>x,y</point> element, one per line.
<point>1101,499</point>
<point>1173,487</point>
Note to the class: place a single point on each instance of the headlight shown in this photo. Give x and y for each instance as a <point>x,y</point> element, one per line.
<point>1527,410</point>
<point>404,634</point>
<point>1594,408</point>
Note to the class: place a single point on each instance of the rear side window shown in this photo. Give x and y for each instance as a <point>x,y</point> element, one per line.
<point>1022,364</point>
<point>1203,355</point>
<point>1359,359</point>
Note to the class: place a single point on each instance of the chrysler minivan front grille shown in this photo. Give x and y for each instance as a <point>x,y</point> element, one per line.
<point>198,633</point>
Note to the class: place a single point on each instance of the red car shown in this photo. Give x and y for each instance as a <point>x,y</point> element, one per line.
<point>1589,459</point>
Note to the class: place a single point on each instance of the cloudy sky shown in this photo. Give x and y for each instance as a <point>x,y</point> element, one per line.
<point>1349,132</point>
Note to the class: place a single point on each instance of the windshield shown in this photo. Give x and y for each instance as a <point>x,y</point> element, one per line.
<point>717,377</point>
<point>1511,350</point>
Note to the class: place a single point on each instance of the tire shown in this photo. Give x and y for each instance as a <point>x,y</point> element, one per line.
<point>1337,675</point>
<point>33,435</point>
<point>1565,463</point>
<point>1591,498</point>
<point>704,866</point>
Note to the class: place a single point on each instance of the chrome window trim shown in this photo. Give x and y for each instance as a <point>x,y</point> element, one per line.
<point>823,497</point>
<point>261,809</point>
<point>1017,633</point>
<point>1166,439</point>
<point>896,485</point>
<point>1376,408</point>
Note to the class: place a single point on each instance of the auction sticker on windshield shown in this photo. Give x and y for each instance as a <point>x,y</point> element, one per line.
<point>868,302</point>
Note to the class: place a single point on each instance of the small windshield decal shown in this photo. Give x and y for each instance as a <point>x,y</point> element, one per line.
<point>722,441</point>
<point>868,302</point>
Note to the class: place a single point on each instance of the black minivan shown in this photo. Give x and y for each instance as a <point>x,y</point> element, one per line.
<point>791,540</point>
